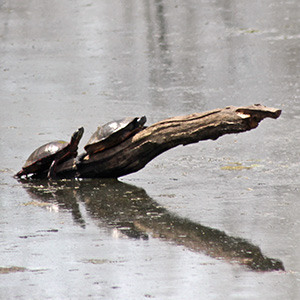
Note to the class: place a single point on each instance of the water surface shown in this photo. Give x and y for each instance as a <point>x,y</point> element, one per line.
<point>64,65</point>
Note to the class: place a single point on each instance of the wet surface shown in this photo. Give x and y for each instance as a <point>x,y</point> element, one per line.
<point>214,220</point>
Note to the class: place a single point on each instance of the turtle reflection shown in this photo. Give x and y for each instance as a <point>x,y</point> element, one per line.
<point>44,191</point>
<point>130,210</point>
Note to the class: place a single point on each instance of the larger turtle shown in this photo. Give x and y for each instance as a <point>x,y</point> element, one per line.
<point>113,133</point>
<point>49,155</point>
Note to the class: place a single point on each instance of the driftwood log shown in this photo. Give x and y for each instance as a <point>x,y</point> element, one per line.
<point>134,153</point>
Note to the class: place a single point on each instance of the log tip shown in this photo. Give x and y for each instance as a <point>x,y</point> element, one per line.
<point>275,112</point>
<point>260,111</point>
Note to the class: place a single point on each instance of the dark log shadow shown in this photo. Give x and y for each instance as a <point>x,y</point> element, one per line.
<point>130,210</point>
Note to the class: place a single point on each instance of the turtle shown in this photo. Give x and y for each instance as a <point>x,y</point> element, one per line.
<point>49,155</point>
<point>113,133</point>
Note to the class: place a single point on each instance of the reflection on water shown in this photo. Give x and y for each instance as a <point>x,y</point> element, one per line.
<point>48,192</point>
<point>132,212</point>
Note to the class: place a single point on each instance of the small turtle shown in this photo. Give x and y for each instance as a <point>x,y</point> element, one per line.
<point>113,133</point>
<point>49,155</point>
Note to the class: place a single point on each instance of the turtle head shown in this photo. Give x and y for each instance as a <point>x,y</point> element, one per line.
<point>141,121</point>
<point>77,135</point>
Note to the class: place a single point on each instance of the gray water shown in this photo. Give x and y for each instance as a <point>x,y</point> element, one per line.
<point>66,64</point>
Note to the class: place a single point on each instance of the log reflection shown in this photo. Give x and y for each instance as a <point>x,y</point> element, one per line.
<point>130,210</point>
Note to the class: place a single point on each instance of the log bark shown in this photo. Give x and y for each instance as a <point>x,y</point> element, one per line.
<point>134,153</point>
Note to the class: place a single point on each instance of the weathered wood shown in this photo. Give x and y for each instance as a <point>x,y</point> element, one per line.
<point>134,153</point>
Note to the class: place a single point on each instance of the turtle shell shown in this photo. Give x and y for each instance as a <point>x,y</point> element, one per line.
<point>113,133</point>
<point>41,159</point>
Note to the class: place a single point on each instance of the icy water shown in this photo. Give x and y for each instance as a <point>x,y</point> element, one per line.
<point>214,220</point>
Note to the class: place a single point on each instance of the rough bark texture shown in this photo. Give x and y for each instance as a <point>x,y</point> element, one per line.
<point>134,153</point>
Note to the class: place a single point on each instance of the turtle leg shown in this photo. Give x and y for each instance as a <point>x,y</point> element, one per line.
<point>80,157</point>
<point>52,170</point>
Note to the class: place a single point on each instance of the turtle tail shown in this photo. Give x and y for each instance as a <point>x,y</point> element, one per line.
<point>20,173</point>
